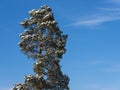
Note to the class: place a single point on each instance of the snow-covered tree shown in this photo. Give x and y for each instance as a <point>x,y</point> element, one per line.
<point>43,41</point>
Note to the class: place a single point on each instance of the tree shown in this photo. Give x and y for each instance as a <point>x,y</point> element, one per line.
<point>43,41</point>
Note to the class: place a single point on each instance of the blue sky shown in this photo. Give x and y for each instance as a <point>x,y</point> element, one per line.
<point>92,60</point>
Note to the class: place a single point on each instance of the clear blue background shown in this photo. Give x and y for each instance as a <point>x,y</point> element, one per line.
<point>92,60</point>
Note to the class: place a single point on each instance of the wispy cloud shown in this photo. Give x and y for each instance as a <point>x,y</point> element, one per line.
<point>92,21</point>
<point>102,15</point>
<point>115,1</point>
<point>95,20</point>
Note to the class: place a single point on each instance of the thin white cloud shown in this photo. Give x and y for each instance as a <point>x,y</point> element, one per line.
<point>102,15</point>
<point>96,20</point>
<point>115,1</point>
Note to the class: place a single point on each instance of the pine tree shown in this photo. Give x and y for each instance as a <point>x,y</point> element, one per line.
<point>43,41</point>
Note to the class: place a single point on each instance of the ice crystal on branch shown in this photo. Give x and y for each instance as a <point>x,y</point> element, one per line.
<point>43,41</point>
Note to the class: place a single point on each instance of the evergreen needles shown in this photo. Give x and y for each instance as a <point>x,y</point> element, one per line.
<point>43,41</point>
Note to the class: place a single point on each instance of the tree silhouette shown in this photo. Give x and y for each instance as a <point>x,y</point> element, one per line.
<point>43,41</point>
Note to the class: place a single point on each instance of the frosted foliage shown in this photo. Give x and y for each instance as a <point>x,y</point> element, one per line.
<point>42,36</point>
<point>43,41</point>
